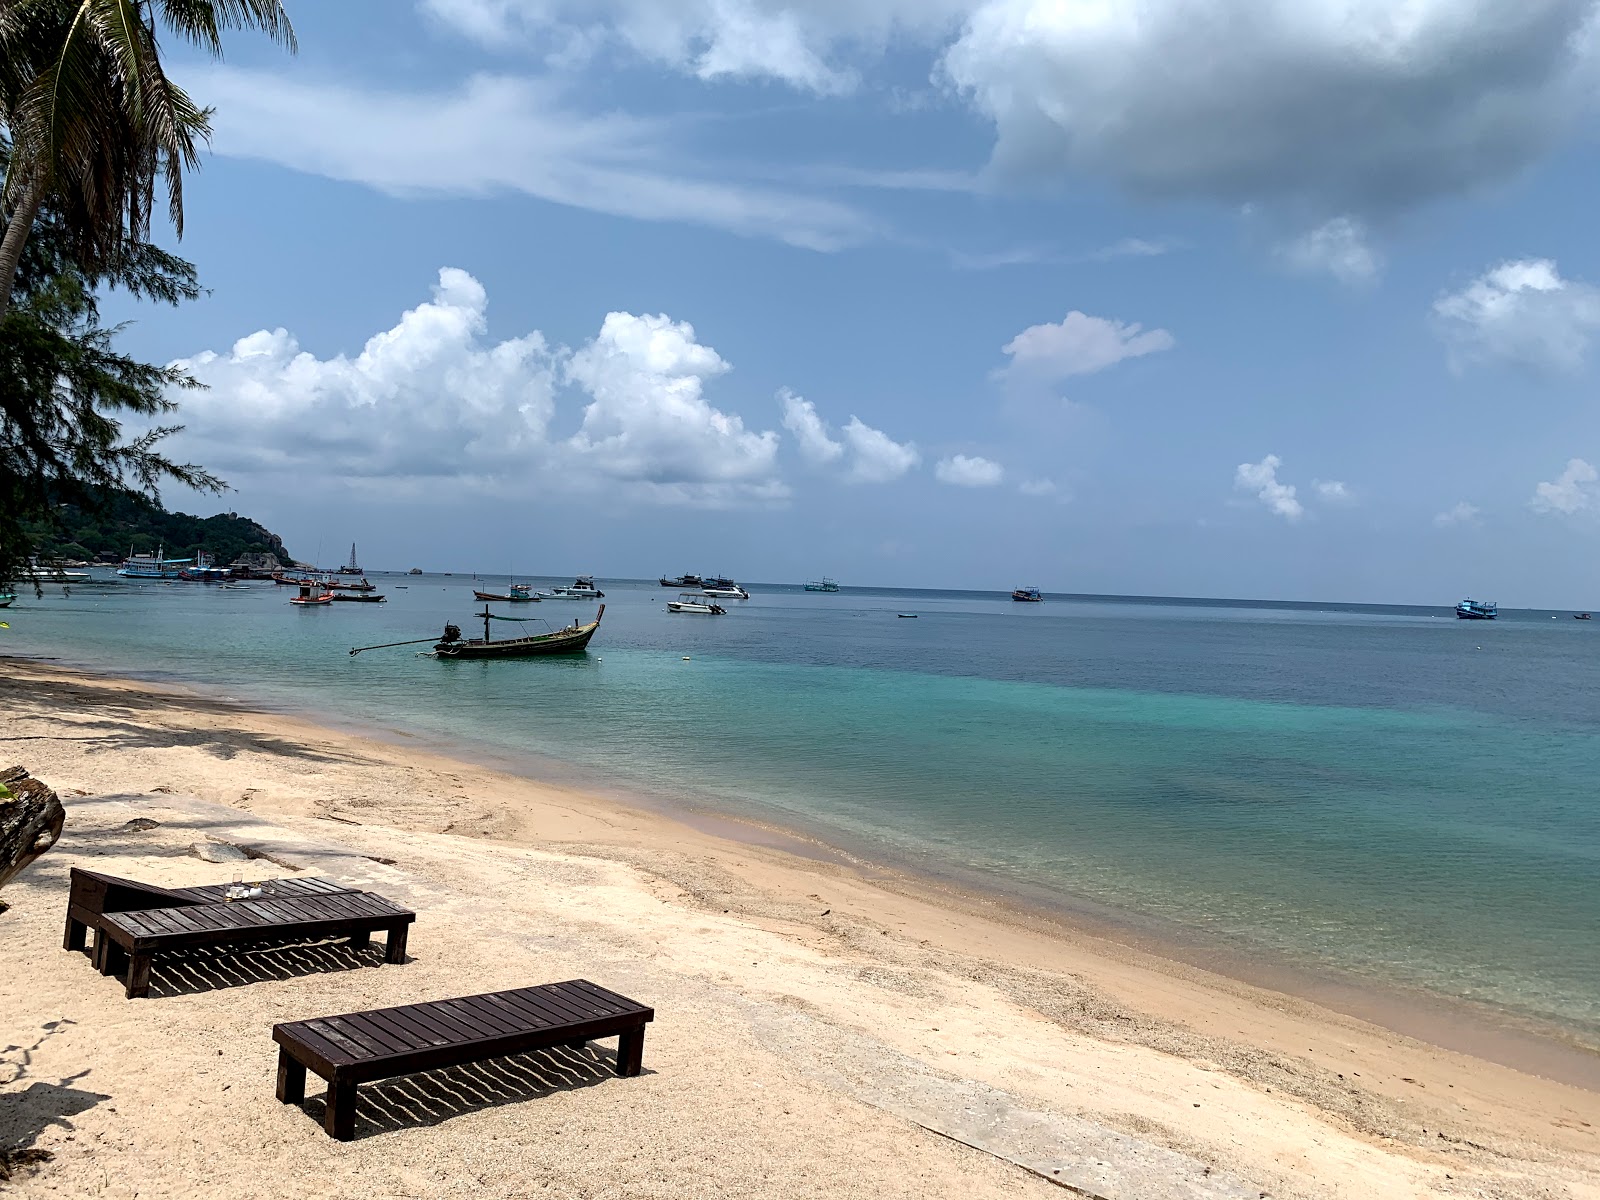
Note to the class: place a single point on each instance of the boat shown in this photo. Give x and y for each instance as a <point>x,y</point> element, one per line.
<point>414,571</point>
<point>358,597</point>
<point>517,593</point>
<point>572,639</point>
<point>725,593</point>
<point>204,571</point>
<point>1581,617</point>
<point>6,598</point>
<point>907,616</point>
<point>152,566</point>
<point>350,568</point>
<point>1027,595</point>
<point>683,581</point>
<point>581,588</point>
<point>310,595</point>
<point>43,573</point>
<point>1475,610</point>
<point>695,602</point>
<point>822,585</point>
<point>363,586</point>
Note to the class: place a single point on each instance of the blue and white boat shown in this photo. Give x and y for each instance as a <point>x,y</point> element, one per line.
<point>1027,595</point>
<point>1477,610</point>
<point>152,566</point>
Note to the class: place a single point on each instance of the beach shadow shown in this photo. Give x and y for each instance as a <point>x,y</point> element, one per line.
<point>185,973</point>
<point>27,1113</point>
<point>118,728</point>
<point>433,1097</point>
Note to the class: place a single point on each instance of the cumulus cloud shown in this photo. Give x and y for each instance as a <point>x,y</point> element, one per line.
<point>497,134</point>
<point>974,472</point>
<point>1078,345</point>
<point>875,457</point>
<point>1330,106</point>
<point>1573,491</point>
<point>1038,487</point>
<point>810,431</point>
<point>1521,312</point>
<point>432,396</point>
<point>648,420</point>
<point>1332,491</point>
<point>1338,247</point>
<point>1262,479</point>
<point>1460,513</point>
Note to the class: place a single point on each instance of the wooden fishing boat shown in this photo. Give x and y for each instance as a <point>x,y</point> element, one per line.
<point>572,639</point>
<point>518,593</point>
<point>363,586</point>
<point>311,594</point>
<point>358,597</point>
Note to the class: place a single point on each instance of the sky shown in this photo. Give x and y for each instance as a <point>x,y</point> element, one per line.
<point>1262,298</point>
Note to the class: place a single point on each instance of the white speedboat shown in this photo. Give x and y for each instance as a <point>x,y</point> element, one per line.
<point>691,602</point>
<point>582,588</point>
<point>40,573</point>
<point>726,593</point>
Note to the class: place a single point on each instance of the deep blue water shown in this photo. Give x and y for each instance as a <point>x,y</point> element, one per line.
<point>1385,792</point>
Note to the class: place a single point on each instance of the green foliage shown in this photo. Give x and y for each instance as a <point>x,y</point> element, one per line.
<point>119,522</point>
<point>65,391</point>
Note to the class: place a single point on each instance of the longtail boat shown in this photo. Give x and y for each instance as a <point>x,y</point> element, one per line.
<point>363,586</point>
<point>572,639</point>
<point>311,594</point>
<point>518,593</point>
<point>358,597</point>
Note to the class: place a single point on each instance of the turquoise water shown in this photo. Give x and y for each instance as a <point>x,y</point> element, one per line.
<point>1385,793</point>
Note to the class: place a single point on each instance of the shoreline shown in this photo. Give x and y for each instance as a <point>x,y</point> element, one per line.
<point>848,989</point>
<point>1522,1043</point>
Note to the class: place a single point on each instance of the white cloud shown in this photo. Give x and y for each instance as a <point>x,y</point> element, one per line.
<point>1332,491</point>
<point>501,134</point>
<point>973,472</point>
<point>1262,479</point>
<point>810,431</point>
<point>875,457</point>
<point>1573,491</point>
<point>648,420</point>
<point>1079,345</point>
<point>1338,247</point>
<point>1037,487</point>
<point>1322,106</point>
<point>1521,312</point>
<point>432,397</point>
<point>1461,513</point>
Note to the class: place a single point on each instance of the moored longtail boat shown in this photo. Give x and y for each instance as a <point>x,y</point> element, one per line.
<point>572,639</point>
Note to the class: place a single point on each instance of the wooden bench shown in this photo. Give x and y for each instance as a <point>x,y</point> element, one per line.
<point>94,894</point>
<point>134,938</point>
<point>361,1047</point>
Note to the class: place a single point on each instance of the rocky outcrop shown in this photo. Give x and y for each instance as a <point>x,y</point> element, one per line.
<point>31,819</point>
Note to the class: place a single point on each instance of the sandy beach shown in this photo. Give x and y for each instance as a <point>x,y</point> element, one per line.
<point>821,1029</point>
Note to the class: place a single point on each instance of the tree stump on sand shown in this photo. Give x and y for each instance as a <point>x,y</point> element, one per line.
<point>31,818</point>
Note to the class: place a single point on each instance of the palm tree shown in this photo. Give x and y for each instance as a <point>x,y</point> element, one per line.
<point>94,121</point>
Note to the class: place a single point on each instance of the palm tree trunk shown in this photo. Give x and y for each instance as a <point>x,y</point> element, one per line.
<point>17,231</point>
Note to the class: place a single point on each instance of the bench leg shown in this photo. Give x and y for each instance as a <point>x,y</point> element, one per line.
<point>361,940</point>
<point>395,951</point>
<point>291,1077</point>
<point>630,1052</point>
<point>340,1119</point>
<point>77,934</point>
<point>576,1043</point>
<point>138,975</point>
<point>97,951</point>
<point>112,956</point>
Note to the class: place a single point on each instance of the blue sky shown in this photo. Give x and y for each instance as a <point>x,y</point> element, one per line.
<point>911,292</point>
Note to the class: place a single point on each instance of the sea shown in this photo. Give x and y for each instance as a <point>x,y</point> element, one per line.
<point>1374,794</point>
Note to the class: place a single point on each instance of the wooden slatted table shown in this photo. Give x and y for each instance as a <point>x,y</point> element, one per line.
<point>137,936</point>
<point>360,1047</point>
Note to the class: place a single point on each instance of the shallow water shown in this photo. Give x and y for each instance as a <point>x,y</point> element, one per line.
<point>1386,793</point>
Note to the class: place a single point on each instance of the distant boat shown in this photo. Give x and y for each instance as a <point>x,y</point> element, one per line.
<point>822,585</point>
<point>1580,616</point>
<point>571,640</point>
<point>358,597</point>
<point>1027,595</point>
<point>152,566</point>
<point>689,602</point>
<point>6,598</point>
<point>1474,610</point>
<point>907,616</point>
<point>581,588</point>
<point>518,593</point>
<point>363,586</point>
<point>683,581</point>
<point>204,571</point>
<point>37,573</point>
<point>310,595</point>
<point>350,567</point>
<point>730,592</point>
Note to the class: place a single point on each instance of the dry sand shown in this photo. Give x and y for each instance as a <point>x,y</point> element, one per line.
<point>820,1030</point>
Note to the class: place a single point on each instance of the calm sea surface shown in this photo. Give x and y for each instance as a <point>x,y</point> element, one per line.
<point>1386,793</point>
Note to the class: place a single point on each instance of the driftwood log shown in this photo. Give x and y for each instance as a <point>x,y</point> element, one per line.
<point>31,819</point>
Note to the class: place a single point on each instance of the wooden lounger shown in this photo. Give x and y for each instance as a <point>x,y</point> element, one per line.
<point>136,937</point>
<point>94,894</point>
<point>360,1047</point>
